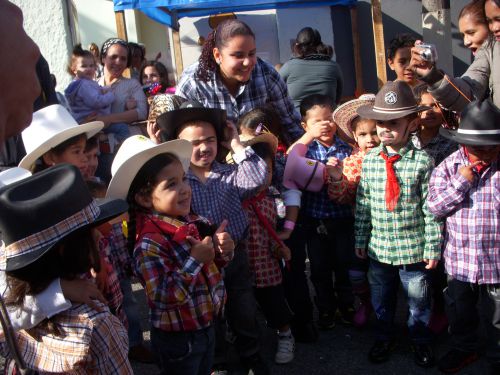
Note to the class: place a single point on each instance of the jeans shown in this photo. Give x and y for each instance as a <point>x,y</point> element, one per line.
<point>384,282</point>
<point>184,353</point>
<point>132,312</point>
<point>461,300</point>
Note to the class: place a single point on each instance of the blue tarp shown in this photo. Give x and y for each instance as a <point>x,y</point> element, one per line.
<point>168,12</point>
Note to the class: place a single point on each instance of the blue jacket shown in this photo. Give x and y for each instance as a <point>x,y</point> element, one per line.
<point>85,97</point>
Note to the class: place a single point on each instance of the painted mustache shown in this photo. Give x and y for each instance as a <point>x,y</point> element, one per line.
<point>386,135</point>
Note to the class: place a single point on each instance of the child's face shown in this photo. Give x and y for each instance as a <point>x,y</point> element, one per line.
<point>431,118</point>
<point>202,136</point>
<point>400,65</point>
<point>319,120</point>
<point>84,67</point>
<point>92,163</point>
<point>395,133</point>
<point>74,154</point>
<point>172,193</point>
<point>150,75</point>
<point>486,154</point>
<point>365,135</point>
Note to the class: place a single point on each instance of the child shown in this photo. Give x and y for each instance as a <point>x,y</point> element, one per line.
<point>174,253</point>
<point>92,153</point>
<point>265,250</point>
<point>154,79</point>
<point>464,190</point>
<point>218,190</point>
<point>343,182</point>
<point>393,226</point>
<point>399,56</point>
<point>324,227</point>
<point>78,339</point>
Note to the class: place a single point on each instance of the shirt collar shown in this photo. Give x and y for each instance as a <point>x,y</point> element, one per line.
<point>406,151</point>
<point>217,168</point>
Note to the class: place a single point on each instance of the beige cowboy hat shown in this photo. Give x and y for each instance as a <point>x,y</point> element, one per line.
<point>346,113</point>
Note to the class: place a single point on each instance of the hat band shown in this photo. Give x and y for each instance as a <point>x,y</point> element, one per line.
<point>478,132</point>
<point>49,236</point>
<point>390,110</point>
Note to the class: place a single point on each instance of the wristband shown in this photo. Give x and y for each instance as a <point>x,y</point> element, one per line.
<point>289,224</point>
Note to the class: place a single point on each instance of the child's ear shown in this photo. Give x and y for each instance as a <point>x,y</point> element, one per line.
<point>390,62</point>
<point>143,200</point>
<point>48,158</point>
<point>304,125</point>
<point>414,125</point>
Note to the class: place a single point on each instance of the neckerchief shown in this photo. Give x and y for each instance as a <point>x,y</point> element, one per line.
<point>391,185</point>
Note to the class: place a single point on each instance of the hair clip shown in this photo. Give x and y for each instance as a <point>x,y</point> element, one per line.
<point>258,129</point>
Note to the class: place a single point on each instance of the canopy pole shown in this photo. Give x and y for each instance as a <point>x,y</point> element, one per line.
<point>358,69</point>
<point>121,29</point>
<point>179,67</point>
<point>378,42</point>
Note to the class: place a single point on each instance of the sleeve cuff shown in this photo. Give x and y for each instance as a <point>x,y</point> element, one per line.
<point>460,183</point>
<point>192,266</point>
<point>52,300</point>
<point>241,155</point>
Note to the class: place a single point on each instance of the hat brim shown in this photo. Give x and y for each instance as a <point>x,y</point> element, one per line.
<point>261,138</point>
<point>367,111</point>
<point>471,139</point>
<point>109,208</point>
<point>12,175</point>
<point>125,174</point>
<point>345,113</point>
<point>90,129</point>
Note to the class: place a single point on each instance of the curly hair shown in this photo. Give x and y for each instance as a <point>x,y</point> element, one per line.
<point>219,38</point>
<point>399,41</point>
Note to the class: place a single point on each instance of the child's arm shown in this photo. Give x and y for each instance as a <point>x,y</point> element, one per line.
<point>313,132</point>
<point>93,97</point>
<point>223,245</point>
<point>343,190</point>
<point>362,222</point>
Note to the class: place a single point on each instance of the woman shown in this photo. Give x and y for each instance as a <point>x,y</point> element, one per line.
<point>473,26</point>
<point>312,70</point>
<point>483,74</point>
<point>116,57</point>
<point>154,79</point>
<point>230,76</point>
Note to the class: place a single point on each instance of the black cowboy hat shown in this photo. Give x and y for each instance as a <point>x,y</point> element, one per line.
<point>394,100</point>
<point>479,125</point>
<point>41,210</point>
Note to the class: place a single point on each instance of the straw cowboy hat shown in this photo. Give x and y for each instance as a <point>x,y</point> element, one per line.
<point>478,125</point>
<point>39,211</point>
<point>136,151</point>
<point>12,175</point>
<point>50,127</point>
<point>346,113</point>
<point>270,139</point>
<point>162,103</point>
<point>394,100</point>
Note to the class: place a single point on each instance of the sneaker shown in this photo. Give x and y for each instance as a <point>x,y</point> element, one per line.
<point>381,351</point>
<point>140,353</point>
<point>326,321</point>
<point>423,355</point>
<point>284,352</point>
<point>455,360</point>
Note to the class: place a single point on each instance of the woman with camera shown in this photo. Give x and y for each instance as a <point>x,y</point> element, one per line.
<point>480,80</point>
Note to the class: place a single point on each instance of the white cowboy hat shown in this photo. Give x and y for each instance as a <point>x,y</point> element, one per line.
<point>50,127</point>
<point>12,175</point>
<point>134,152</point>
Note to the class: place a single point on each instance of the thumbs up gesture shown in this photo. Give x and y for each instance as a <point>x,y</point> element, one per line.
<point>202,251</point>
<point>223,242</point>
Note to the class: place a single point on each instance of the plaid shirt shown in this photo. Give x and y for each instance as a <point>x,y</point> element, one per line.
<point>226,187</point>
<point>265,87</point>
<point>472,212</point>
<point>118,253</point>
<point>344,190</point>
<point>438,148</point>
<point>183,294</point>
<point>408,234</point>
<point>318,205</point>
<point>92,343</point>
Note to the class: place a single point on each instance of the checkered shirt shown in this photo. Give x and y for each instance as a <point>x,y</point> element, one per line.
<point>408,234</point>
<point>118,253</point>
<point>183,294</point>
<point>438,147</point>
<point>226,187</point>
<point>265,88</point>
<point>318,205</point>
<point>344,190</point>
<point>472,212</point>
<point>92,343</point>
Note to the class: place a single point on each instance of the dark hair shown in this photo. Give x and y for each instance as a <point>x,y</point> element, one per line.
<point>111,42</point>
<point>218,38</point>
<point>475,10</point>
<point>267,117</point>
<point>78,52</point>
<point>450,118</point>
<point>162,72</point>
<point>143,183</point>
<point>399,41</point>
<point>92,143</point>
<point>137,50</point>
<point>358,120</point>
<point>308,42</point>
<point>97,188</point>
<point>58,150</point>
<point>312,100</point>
<point>264,151</point>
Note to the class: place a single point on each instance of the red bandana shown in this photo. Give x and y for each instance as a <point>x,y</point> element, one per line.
<point>478,168</point>
<point>391,185</point>
<point>175,228</point>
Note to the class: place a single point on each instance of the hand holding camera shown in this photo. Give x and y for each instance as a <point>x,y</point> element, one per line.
<point>423,58</point>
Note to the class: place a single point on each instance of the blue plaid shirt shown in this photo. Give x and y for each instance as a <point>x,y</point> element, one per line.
<point>227,186</point>
<point>265,87</point>
<point>318,205</point>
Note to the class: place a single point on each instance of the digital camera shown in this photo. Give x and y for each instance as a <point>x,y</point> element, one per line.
<point>428,52</point>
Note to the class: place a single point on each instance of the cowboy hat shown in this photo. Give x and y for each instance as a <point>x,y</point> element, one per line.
<point>39,211</point>
<point>134,152</point>
<point>50,127</point>
<point>478,125</point>
<point>249,140</point>
<point>345,113</point>
<point>163,103</point>
<point>12,175</point>
<point>394,100</point>
<point>303,173</point>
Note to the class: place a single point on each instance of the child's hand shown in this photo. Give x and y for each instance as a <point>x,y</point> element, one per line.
<point>334,167</point>
<point>285,252</point>
<point>202,251</point>
<point>101,277</point>
<point>233,139</point>
<point>468,171</point>
<point>319,128</point>
<point>82,291</point>
<point>131,103</point>
<point>154,132</point>
<point>284,234</point>
<point>223,241</point>
<point>361,253</point>
<point>431,263</point>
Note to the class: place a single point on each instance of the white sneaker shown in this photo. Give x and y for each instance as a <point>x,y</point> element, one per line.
<point>286,347</point>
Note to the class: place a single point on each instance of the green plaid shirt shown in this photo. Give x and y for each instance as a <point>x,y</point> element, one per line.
<point>408,234</point>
